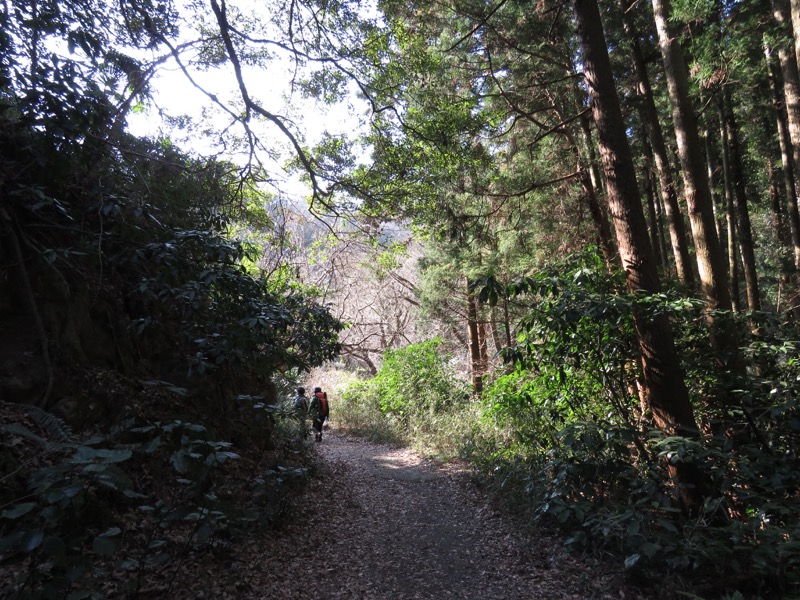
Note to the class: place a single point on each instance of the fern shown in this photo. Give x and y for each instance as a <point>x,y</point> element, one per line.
<point>18,429</point>
<point>55,427</point>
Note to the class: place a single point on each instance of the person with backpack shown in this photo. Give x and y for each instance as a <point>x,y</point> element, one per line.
<point>319,411</point>
<point>301,409</point>
<point>301,402</point>
<point>323,402</point>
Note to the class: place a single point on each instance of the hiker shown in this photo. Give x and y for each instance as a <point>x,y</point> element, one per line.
<point>301,404</point>
<point>323,400</point>
<point>318,409</point>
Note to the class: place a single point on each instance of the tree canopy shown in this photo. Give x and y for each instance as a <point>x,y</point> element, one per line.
<point>577,223</point>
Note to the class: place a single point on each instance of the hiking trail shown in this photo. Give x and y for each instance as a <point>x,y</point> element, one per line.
<point>382,523</point>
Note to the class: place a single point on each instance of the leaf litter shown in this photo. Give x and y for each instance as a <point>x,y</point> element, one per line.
<point>382,523</point>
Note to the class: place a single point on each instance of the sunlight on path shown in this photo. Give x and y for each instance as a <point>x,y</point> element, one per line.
<point>380,523</point>
<point>418,530</point>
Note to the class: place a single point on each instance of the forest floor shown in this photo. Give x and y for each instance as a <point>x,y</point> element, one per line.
<point>382,523</point>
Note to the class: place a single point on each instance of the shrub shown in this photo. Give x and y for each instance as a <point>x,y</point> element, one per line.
<point>579,450</point>
<point>133,500</point>
<point>415,396</point>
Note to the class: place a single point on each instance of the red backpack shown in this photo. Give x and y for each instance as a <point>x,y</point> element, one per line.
<point>323,403</point>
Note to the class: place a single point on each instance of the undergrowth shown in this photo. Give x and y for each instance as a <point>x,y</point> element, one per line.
<point>415,399</point>
<point>89,516</point>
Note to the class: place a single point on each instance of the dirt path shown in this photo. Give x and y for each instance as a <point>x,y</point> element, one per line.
<point>388,525</point>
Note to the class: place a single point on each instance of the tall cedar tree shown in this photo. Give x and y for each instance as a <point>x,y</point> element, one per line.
<point>666,391</point>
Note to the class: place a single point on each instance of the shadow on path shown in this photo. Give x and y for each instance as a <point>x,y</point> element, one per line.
<point>420,531</point>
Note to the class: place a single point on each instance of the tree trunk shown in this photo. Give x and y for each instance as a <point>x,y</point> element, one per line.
<point>599,219</point>
<point>715,202</point>
<point>710,263</point>
<point>667,395</point>
<point>591,182</point>
<point>790,156</point>
<point>653,208</point>
<point>743,226</point>
<point>794,8</point>
<point>497,338</point>
<point>662,240</point>
<point>507,322</point>
<point>649,116</point>
<point>594,171</point>
<point>474,343</point>
<point>650,199</point>
<point>483,342</point>
<point>733,271</point>
<point>775,198</point>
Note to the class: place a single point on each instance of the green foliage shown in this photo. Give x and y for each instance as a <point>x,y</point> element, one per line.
<point>54,427</point>
<point>414,396</point>
<point>576,337</point>
<point>577,448</point>
<point>359,411</point>
<point>511,399</point>
<point>693,10</point>
<point>598,486</point>
<point>228,316</point>
<point>67,527</point>
<point>389,258</point>
<point>63,63</point>
<point>416,379</point>
<point>145,232</point>
<point>66,507</point>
